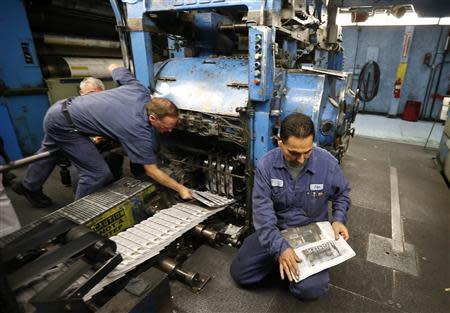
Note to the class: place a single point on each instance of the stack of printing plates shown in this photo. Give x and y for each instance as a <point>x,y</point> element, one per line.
<point>211,200</point>
<point>146,239</point>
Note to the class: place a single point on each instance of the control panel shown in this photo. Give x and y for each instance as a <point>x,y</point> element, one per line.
<point>260,63</point>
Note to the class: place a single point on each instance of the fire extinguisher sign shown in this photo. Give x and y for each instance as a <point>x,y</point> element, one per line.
<point>400,78</point>
<point>406,45</point>
<point>401,69</point>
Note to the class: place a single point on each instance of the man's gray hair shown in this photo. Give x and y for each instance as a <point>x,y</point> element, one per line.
<point>92,81</point>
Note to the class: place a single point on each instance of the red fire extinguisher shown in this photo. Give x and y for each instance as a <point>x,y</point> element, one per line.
<point>397,87</point>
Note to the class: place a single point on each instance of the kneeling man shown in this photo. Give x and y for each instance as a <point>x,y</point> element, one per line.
<point>293,184</point>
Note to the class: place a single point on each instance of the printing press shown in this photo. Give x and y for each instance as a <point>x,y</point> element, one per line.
<point>65,262</point>
<point>235,69</point>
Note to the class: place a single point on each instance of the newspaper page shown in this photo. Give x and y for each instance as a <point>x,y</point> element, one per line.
<point>316,247</point>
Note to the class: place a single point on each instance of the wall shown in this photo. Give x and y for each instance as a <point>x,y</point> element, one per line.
<point>364,40</point>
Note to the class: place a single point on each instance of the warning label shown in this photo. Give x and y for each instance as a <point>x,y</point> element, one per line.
<point>114,221</point>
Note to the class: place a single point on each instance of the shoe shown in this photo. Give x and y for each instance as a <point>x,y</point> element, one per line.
<point>44,197</point>
<point>8,177</point>
<point>37,198</point>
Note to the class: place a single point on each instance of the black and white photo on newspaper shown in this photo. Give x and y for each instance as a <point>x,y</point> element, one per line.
<point>317,248</point>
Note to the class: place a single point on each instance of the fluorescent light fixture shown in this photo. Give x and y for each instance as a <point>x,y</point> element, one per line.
<point>383,19</point>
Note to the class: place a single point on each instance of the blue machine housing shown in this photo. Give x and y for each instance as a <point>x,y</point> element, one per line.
<point>267,82</point>
<point>214,83</point>
<point>23,98</point>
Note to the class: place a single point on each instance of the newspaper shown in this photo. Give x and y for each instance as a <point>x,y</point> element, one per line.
<point>317,248</point>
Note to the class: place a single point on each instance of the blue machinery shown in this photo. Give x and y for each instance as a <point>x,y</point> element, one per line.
<point>235,69</point>
<point>23,98</point>
<point>257,59</point>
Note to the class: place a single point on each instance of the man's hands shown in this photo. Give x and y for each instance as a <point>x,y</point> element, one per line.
<point>112,67</point>
<point>340,229</point>
<point>185,193</point>
<point>161,177</point>
<point>288,260</point>
<point>98,139</point>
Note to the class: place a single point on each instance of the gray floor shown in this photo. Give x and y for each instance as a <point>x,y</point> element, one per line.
<point>60,194</point>
<point>358,285</point>
<point>398,130</point>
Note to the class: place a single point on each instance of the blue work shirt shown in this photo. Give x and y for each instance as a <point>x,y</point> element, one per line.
<point>119,114</point>
<point>279,202</point>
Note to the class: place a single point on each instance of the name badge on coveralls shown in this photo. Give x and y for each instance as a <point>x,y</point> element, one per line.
<point>315,187</point>
<point>316,190</point>
<point>276,182</point>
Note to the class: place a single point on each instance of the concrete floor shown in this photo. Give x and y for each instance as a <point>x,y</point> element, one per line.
<point>398,130</point>
<point>357,285</point>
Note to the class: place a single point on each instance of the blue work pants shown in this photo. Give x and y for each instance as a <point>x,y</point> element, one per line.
<point>81,151</point>
<point>253,263</point>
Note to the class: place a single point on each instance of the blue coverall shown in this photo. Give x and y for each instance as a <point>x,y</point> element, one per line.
<point>117,113</point>
<point>279,202</point>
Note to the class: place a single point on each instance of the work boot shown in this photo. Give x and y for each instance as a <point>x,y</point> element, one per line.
<point>7,179</point>
<point>37,198</point>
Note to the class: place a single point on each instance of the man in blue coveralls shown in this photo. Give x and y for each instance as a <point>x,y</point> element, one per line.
<point>125,114</point>
<point>293,184</point>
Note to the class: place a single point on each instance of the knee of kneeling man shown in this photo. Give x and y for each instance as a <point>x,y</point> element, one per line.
<point>309,292</point>
<point>235,273</point>
<point>240,276</point>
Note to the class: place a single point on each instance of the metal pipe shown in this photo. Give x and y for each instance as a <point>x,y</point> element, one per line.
<point>214,236</point>
<point>234,27</point>
<point>76,67</point>
<point>358,29</point>
<point>203,231</point>
<point>436,89</point>
<point>261,12</point>
<point>27,160</point>
<point>250,166</point>
<point>46,50</point>
<point>332,15</point>
<point>430,77</point>
<point>77,41</point>
<point>169,266</point>
<point>121,28</point>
